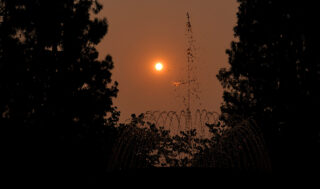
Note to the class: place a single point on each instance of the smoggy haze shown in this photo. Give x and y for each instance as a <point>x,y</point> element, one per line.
<point>142,32</point>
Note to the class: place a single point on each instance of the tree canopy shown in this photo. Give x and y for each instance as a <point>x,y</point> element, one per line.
<point>56,95</point>
<point>274,78</point>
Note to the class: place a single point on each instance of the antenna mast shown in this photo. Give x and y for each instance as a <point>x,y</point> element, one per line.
<point>190,61</point>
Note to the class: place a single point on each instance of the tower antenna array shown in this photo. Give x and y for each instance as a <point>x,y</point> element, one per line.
<point>190,62</point>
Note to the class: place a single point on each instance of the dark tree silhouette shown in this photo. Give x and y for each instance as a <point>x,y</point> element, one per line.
<point>142,145</point>
<point>56,96</point>
<point>274,79</point>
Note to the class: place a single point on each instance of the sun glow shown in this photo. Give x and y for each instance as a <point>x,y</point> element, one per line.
<point>159,66</point>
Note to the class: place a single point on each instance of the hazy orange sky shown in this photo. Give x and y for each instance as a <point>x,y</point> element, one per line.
<point>142,32</point>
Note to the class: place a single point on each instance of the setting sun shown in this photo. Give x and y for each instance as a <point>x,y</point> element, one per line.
<point>159,66</point>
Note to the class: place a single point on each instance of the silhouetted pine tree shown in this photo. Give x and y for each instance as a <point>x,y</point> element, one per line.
<point>55,93</point>
<point>274,78</point>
